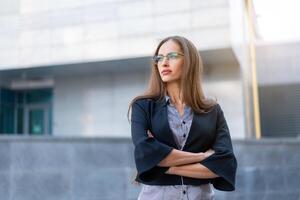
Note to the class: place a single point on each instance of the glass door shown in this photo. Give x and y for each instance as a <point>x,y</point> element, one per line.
<point>36,120</point>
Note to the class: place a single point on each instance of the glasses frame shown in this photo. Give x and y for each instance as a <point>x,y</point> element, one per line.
<point>168,56</point>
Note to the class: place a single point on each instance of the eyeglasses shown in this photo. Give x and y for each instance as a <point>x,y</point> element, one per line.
<point>169,56</point>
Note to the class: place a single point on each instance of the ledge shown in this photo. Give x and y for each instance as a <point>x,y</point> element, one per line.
<point>268,141</point>
<point>51,138</point>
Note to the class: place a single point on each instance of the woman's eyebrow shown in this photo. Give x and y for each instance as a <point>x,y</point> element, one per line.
<point>167,53</point>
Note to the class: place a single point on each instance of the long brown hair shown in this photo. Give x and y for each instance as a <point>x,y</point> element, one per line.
<point>191,79</point>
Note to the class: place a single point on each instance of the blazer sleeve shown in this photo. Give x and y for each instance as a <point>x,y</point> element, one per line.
<point>223,161</point>
<point>148,152</point>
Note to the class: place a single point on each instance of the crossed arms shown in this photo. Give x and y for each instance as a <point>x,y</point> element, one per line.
<point>187,164</point>
<point>218,164</point>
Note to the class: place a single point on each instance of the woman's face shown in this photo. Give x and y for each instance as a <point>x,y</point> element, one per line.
<point>170,69</point>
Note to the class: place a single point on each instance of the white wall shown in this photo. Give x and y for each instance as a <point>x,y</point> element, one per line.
<point>278,64</point>
<point>97,105</point>
<point>37,33</point>
<point>224,83</point>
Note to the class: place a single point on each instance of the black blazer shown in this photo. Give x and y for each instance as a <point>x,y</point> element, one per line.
<point>208,130</point>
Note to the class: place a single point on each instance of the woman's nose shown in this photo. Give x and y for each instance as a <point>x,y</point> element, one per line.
<point>165,61</point>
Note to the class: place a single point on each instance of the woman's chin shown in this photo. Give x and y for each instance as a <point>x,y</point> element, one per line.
<point>168,80</point>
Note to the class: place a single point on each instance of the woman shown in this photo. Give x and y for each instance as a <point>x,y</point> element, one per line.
<point>181,139</point>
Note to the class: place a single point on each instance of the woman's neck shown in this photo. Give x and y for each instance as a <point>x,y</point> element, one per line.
<point>174,92</point>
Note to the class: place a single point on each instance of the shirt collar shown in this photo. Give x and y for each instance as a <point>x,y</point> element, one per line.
<point>168,102</point>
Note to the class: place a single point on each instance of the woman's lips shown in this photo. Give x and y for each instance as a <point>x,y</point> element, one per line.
<point>165,72</point>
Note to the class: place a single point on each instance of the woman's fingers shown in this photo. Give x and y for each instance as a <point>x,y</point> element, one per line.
<point>209,152</point>
<point>149,134</point>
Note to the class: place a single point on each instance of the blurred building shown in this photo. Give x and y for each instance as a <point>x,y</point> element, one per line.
<point>70,68</point>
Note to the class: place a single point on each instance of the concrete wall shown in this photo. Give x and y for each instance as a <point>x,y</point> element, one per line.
<point>35,33</point>
<point>101,169</point>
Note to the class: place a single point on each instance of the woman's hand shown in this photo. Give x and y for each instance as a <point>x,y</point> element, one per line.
<point>149,134</point>
<point>208,153</point>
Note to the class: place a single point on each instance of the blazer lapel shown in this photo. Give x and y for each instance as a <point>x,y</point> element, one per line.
<point>161,125</point>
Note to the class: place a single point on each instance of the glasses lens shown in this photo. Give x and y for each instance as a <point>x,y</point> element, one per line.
<point>158,58</point>
<point>173,55</point>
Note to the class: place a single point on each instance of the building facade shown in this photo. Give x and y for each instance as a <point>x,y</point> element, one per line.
<point>75,66</point>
